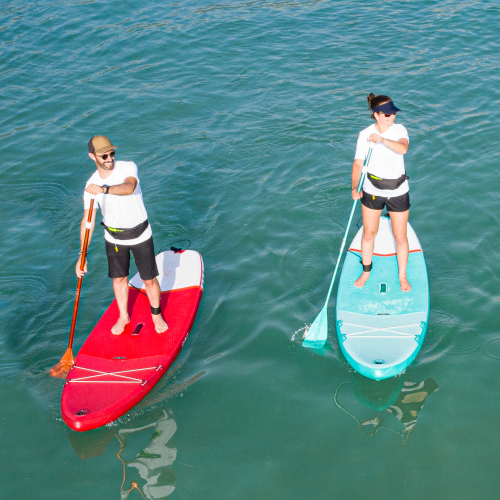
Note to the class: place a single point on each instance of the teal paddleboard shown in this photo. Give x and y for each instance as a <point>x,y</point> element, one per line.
<point>379,327</point>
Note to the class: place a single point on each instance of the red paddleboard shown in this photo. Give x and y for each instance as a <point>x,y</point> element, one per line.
<point>111,373</point>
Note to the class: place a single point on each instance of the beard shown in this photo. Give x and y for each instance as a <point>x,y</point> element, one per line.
<point>105,167</point>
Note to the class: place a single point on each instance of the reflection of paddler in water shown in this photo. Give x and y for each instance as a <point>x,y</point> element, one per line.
<point>155,478</point>
<point>399,396</point>
<point>153,463</point>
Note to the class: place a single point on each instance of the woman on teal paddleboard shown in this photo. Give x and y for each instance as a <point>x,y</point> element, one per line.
<point>385,185</point>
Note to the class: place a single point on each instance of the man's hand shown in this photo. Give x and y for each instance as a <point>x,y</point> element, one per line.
<point>79,273</point>
<point>127,187</point>
<point>94,189</point>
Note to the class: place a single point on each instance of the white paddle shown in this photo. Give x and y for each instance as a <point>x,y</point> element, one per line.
<point>317,333</point>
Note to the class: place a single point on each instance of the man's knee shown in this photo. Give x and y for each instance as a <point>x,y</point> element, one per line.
<point>150,283</point>
<point>120,281</point>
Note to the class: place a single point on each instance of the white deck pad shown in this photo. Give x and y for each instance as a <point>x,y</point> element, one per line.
<point>384,242</point>
<point>177,270</point>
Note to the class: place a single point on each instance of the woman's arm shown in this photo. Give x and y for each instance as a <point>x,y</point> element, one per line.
<point>357,166</point>
<point>400,147</point>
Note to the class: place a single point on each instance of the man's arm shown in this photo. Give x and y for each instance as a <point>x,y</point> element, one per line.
<point>124,189</point>
<point>83,228</point>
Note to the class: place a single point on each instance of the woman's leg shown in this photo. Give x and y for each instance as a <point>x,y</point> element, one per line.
<point>399,222</point>
<point>371,219</point>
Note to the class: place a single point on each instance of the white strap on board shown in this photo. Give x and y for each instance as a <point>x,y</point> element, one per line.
<point>123,379</point>
<point>389,329</point>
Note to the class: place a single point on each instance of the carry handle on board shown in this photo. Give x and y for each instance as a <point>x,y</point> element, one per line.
<point>61,370</point>
<point>317,333</point>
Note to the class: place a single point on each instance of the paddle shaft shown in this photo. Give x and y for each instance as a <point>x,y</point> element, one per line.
<point>360,187</point>
<point>82,267</point>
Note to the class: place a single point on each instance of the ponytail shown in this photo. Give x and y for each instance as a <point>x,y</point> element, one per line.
<point>376,100</point>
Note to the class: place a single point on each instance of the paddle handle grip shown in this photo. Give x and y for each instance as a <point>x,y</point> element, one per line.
<point>82,267</point>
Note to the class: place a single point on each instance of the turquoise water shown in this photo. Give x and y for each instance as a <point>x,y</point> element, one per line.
<point>243,118</point>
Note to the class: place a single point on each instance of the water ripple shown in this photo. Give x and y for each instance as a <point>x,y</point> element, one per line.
<point>243,117</point>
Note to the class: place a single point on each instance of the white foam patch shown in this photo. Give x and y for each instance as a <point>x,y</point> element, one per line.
<point>177,270</point>
<point>300,334</point>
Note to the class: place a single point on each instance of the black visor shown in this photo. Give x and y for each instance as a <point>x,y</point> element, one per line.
<point>388,108</point>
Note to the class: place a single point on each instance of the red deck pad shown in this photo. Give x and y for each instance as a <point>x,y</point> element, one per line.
<point>132,364</point>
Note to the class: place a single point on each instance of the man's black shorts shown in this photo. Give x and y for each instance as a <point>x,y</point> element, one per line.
<point>394,204</point>
<point>144,256</point>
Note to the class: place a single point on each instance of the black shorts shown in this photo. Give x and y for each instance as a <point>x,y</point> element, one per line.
<point>144,256</point>
<point>394,204</point>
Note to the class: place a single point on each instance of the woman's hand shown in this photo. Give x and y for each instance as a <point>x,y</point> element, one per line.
<point>355,195</point>
<point>375,138</point>
<point>400,147</point>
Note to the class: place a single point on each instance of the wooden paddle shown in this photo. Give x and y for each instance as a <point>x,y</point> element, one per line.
<point>61,370</point>
<point>317,333</point>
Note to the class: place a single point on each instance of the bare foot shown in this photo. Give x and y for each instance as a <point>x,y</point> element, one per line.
<point>360,282</point>
<point>405,285</point>
<point>160,324</point>
<point>120,325</point>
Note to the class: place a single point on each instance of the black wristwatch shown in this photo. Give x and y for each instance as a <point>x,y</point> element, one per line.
<point>106,189</point>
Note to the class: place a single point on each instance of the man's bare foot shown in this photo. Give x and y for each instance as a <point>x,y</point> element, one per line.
<point>160,324</point>
<point>405,285</point>
<point>360,282</point>
<point>120,325</point>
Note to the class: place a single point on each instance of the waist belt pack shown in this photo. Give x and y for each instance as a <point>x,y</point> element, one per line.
<point>387,183</point>
<point>127,234</point>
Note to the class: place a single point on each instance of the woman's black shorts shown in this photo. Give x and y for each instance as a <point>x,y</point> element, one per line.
<point>394,204</point>
<point>144,256</point>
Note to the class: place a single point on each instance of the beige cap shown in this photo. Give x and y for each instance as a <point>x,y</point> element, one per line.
<point>100,144</point>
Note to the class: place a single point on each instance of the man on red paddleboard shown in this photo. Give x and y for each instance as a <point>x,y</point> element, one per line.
<point>116,188</point>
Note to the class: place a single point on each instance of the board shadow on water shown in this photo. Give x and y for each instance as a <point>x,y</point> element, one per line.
<point>393,404</point>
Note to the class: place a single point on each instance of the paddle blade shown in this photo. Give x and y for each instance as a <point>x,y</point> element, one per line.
<point>61,370</point>
<point>318,332</point>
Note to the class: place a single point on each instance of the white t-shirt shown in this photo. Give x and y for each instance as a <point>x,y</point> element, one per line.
<point>384,162</point>
<point>121,212</point>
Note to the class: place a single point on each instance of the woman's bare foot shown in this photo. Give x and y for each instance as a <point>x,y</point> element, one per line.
<point>405,285</point>
<point>120,325</point>
<point>160,324</point>
<point>360,282</point>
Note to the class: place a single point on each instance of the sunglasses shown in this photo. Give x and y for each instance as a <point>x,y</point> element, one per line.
<point>105,157</point>
<point>386,115</point>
